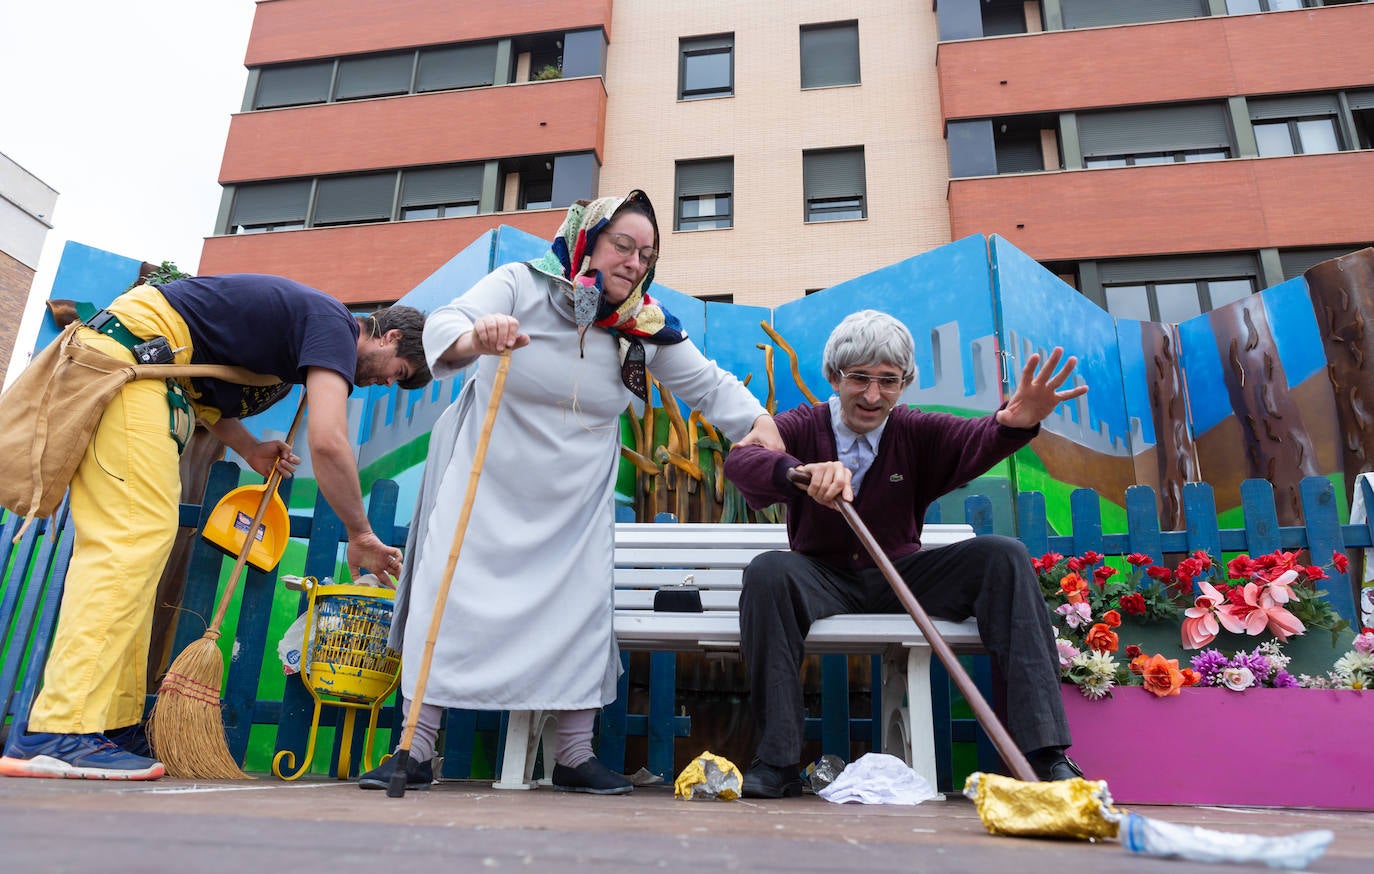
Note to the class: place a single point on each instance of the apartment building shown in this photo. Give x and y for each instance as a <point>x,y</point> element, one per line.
<point>1164,157</point>
<point>786,146</point>
<point>26,208</point>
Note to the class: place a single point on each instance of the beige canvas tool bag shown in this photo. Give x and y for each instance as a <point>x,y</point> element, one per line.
<point>50,413</point>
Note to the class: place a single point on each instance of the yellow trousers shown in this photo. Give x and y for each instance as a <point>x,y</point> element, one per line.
<point>124,507</point>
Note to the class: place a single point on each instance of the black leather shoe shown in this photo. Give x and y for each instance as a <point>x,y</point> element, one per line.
<point>419,775</point>
<point>591,776</point>
<point>763,780</point>
<point>1053,765</point>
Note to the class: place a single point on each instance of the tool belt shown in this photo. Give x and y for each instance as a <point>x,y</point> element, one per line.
<point>52,410</point>
<point>181,421</point>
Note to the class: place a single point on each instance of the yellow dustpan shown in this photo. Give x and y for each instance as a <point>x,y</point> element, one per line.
<point>231,518</point>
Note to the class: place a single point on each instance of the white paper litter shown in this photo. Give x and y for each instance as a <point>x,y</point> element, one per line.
<point>877,778</point>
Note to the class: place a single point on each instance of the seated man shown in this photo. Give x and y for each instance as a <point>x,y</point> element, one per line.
<point>892,462</point>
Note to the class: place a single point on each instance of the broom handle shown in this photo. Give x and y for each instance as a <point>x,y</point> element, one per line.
<point>440,599</point>
<point>273,481</point>
<point>1006,747</point>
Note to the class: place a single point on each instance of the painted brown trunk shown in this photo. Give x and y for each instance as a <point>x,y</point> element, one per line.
<point>1342,292</point>
<point>1276,444</point>
<point>1175,453</point>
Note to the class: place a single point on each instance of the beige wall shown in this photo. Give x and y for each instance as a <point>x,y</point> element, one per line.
<point>772,255</point>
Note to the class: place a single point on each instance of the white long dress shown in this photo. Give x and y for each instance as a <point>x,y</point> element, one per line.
<point>527,624</point>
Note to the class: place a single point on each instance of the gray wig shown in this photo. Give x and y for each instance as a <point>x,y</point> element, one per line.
<point>866,338</point>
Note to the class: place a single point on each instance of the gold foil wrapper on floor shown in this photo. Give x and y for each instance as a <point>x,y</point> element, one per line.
<point>709,777</point>
<point>1076,809</point>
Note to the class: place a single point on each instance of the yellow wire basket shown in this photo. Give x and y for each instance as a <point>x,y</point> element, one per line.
<point>346,663</point>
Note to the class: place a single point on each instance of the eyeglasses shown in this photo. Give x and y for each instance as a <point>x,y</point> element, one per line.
<point>624,244</point>
<point>888,385</point>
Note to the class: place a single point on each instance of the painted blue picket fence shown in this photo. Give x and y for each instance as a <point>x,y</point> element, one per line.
<point>35,569</point>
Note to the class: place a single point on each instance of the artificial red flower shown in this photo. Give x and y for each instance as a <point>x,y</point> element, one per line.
<point>1240,567</point>
<point>1092,557</point>
<point>1314,573</point>
<point>1161,573</point>
<point>1162,676</point>
<point>1046,561</point>
<point>1077,564</point>
<point>1340,562</point>
<point>1139,559</point>
<point>1132,651</point>
<point>1133,603</point>
<point>1104,573</point>
<point>1203,559</point>
<point>1102,639</point>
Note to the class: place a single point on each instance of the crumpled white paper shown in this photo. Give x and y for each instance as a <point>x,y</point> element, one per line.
<point>877,778</point>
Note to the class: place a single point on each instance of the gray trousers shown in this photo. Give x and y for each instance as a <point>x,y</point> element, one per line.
<point>988,577</point>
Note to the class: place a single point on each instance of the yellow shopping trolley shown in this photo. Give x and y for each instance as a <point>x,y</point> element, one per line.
<point>346,663</point>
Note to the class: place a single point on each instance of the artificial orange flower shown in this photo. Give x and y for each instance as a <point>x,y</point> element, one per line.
<point>1111,618</point>
<point>1162,676</point>
<point>1102,639</point>
<point>1191,677</point>
<point>1074,587</point>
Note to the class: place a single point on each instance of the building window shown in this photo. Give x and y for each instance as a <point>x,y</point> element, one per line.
<point>351,200</point>
<point>1155,135</point>
<point>706,67</point>
<point>1297,136</point>
<point>441,192</point>
<point>705,195</point>
<point>830,54</point>
<point>1243,7</point>
<point>1105,13</point>
<point>1175,301</point>
<point>374,76</point>
<point>833,185</point>
<point>294,85</point>
<point>450,67</point>
<point>1145,158</point>
<point>269,206</point>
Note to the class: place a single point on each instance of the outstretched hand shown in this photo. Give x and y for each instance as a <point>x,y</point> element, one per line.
<point>1037,394</point>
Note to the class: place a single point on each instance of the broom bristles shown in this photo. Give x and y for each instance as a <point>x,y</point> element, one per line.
<point>186,729</point>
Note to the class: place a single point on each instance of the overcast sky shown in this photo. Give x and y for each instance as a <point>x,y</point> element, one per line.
<point>123,107</point>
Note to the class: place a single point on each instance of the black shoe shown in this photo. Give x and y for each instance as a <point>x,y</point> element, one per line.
<point>590,776</point>
<point>419,775</point>
<point>1052,765</point>
<point>132,739</point>
<point>763,780</point>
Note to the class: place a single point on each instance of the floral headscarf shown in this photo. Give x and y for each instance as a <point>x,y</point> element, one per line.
<point>639,319</point>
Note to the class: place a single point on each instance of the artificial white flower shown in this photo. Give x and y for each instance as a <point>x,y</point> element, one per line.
<point>1237,679</point>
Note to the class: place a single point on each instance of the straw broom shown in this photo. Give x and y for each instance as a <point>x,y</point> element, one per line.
<point>186,727</point>
<point>396,788</point>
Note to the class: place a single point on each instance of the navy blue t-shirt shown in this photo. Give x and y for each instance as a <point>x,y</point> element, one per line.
<point>268,324</point>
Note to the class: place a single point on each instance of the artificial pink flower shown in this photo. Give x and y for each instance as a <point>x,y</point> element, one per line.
<point>1364,642</point>
<point>1066,652</point>
<point>1200,626</point>
<point>1261,608</point>
<point>1075,614</point>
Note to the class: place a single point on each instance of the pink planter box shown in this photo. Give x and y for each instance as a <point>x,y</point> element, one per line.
<point>1260,747</point>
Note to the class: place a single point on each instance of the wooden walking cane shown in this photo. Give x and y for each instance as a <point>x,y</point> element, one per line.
<point>1006,747</point>
<point>186,728</point>
<point>396,788</point>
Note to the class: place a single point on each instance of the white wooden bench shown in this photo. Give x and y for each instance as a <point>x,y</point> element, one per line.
<point>653,556</point>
